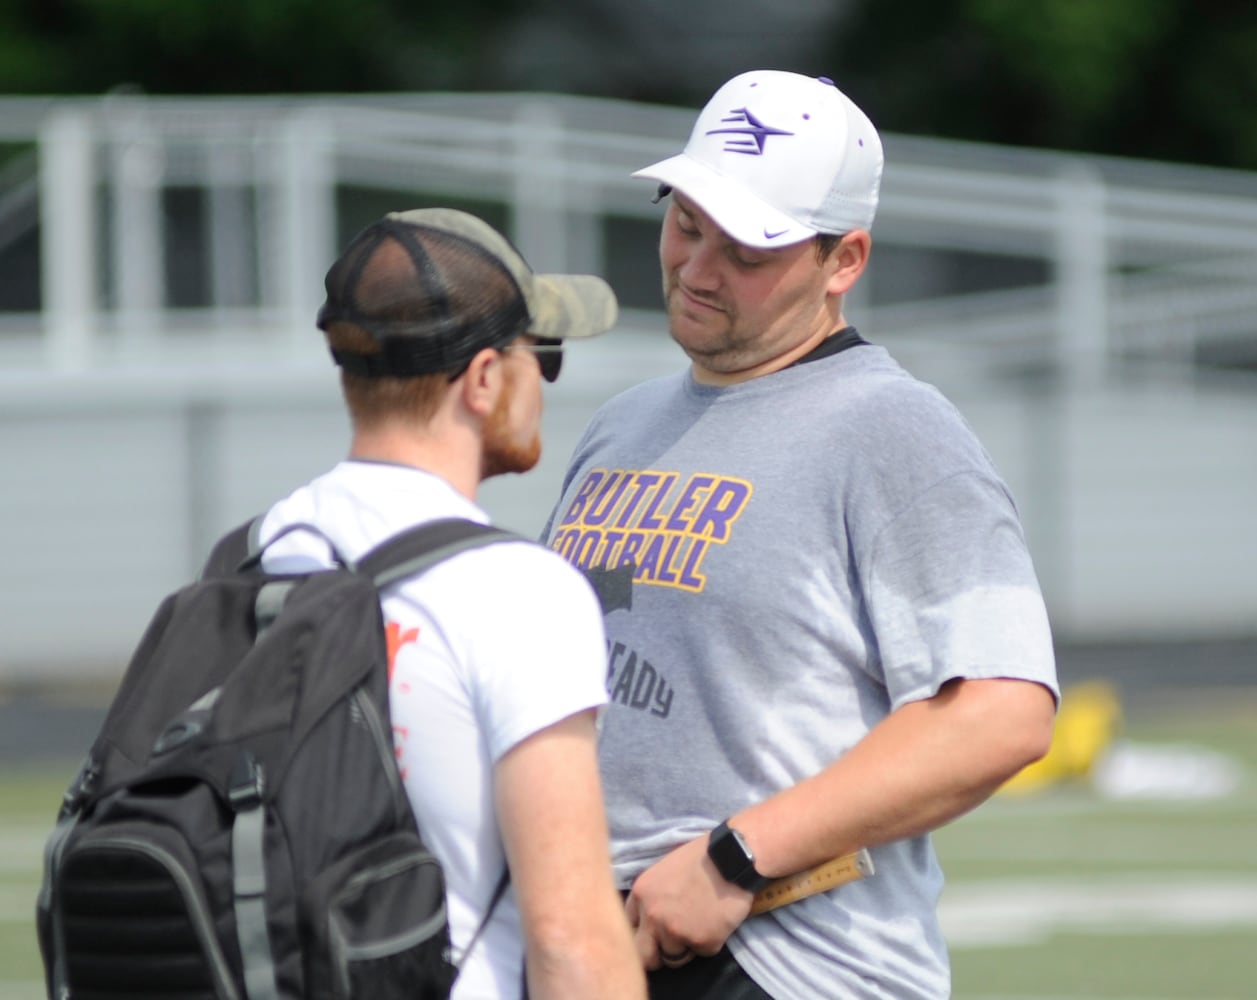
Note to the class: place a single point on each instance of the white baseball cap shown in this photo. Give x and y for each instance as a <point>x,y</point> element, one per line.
<point>776,158</point>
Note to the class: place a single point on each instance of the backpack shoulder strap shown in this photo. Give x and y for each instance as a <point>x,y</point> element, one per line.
<point>241,548</point>
<point>504,880</point>
<point>410,553</point>
<point>231,551</point>
<point>417,549</point>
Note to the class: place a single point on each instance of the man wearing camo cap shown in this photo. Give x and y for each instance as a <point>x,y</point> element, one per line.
<point>443,335</point>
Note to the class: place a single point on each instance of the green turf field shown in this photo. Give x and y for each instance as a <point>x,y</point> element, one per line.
<point>1062,895</point>
<point>1071,895</point>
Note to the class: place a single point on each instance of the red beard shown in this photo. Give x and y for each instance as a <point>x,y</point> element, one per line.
<point>502,451</point>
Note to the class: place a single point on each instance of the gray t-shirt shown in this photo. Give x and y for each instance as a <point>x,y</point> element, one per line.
<point>809,550</point>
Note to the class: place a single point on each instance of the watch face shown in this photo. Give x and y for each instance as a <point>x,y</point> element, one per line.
<point>732,858</point>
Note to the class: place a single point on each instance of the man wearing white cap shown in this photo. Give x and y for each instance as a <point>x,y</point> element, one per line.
<point>824,628</point>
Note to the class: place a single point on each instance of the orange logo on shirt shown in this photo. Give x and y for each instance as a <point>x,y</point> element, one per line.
<point>396,639</point>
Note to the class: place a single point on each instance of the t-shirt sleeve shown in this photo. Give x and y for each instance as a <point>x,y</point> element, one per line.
<point>532,647</point>
<point>952,592</point>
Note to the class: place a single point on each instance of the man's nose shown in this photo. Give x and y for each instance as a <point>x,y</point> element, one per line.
<point>700,269</point>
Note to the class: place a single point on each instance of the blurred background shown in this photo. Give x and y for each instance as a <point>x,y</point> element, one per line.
<point>1066,246</point>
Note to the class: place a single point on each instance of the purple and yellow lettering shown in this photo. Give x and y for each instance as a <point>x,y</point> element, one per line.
<point>665,573</point>
<point>642,482</point>
<point>563,541</point>
<point>648,568</point>
<point>582,495</point>
<point>694,491</point>
<point>723,506</point>
<point>632,544</point>
<point>652,521</point>
<point>610,550</point>
<point>691,578</point>
<point>586,549</point>
<point>603,503</point>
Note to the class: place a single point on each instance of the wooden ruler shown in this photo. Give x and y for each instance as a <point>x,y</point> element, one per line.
<point>822,878</point>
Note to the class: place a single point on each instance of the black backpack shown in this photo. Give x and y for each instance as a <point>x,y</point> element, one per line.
<point>239,830</point>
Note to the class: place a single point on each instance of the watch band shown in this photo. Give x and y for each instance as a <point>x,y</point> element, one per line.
<point>732,857</point>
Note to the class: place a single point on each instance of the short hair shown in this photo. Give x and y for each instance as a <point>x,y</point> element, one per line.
<point>826,244</point>
<point>374,400</point>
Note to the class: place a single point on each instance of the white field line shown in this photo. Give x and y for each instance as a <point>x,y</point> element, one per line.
<point>1025,911</point>
<point>974,914</point>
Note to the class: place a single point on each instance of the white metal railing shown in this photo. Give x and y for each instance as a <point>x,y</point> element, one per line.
<point>138,424</point>
<point>1111,233</point>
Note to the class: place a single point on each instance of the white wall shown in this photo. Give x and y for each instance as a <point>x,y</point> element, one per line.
<point>1138,499</point>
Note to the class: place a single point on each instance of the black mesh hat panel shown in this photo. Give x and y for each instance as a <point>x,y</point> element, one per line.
<point>434,286</point>
<point>430,298</point>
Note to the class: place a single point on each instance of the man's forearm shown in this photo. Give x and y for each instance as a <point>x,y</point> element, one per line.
<point>573,964</point>
<point>921,767</point>
<point>576,937</point>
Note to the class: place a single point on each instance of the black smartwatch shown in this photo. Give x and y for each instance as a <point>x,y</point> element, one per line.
<point>733,859</point>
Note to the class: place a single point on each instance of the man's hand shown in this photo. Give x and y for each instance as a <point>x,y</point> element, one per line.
<point>681,907</point>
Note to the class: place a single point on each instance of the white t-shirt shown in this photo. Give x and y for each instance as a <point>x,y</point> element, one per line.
<point>486,649</point>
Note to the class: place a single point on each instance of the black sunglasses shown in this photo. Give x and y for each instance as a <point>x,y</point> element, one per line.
<point>549,356</point>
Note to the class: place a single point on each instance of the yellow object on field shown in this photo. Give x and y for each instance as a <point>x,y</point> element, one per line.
<point>1089,719</point>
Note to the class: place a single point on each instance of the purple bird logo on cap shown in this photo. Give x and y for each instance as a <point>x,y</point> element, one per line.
<point>748,139</point>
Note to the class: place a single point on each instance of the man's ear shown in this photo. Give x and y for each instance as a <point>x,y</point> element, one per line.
<point>481,382</point>
<point>848,260</point>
